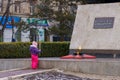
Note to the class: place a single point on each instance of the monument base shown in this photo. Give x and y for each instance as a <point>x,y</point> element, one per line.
<point>78,57</point>
<point>68,57</point>
<point>84,56</point>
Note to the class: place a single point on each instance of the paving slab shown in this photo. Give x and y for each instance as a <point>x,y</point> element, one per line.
<point>15,72</point>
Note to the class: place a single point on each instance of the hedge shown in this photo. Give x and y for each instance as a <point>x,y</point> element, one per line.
<point>21,49</point>
<point>54,49</point>
<point>14,50</point>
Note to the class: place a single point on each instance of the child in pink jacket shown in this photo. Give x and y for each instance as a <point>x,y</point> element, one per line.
<point>34,55</point>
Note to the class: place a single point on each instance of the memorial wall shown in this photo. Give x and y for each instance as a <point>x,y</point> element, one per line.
<point>97,28</point>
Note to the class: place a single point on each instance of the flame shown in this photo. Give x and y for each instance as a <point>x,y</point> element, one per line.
<point>79,48</point>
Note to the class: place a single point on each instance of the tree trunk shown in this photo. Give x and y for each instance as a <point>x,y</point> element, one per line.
<point>5,16</point>
<point>62,38</point>
<point>1,36</point>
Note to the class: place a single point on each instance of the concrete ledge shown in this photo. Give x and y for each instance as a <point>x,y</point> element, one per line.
<point>98,66</point>
<point>109,67</point>
<point>7,64</point>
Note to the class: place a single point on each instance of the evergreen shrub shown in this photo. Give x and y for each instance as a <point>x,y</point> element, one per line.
<point>54,49</point>
<point>21,49</point>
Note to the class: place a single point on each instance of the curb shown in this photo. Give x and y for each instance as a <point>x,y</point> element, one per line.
<point>14,69</point>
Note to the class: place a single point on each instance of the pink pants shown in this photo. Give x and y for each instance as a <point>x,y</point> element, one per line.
<point>34,61</point>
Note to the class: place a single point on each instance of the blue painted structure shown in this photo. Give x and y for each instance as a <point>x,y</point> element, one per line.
<point>9,25</point>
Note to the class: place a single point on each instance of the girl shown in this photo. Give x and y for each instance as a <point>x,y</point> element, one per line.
<point>34,55</point>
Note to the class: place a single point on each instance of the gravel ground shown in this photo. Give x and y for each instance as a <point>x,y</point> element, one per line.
<point>53,75</point>
<point>96,77</point>
<point>60,75</point>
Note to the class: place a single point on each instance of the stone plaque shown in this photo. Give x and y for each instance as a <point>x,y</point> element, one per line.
<point>103,22</point>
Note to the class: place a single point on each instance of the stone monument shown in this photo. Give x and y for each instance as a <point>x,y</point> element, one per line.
<point>97,29</point>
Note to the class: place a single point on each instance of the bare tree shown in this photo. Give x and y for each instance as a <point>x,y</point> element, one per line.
<point>5,16</point>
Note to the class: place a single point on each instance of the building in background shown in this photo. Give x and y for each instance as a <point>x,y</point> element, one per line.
<point>21,8</point>
<point>36,32</point>
<point>18,9</point>
<point>24,9</point>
